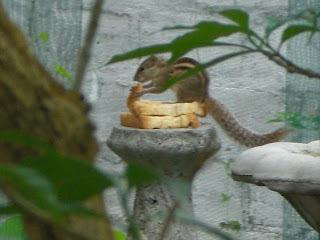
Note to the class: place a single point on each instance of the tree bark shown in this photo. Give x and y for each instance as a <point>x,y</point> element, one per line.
<point>34,104</point>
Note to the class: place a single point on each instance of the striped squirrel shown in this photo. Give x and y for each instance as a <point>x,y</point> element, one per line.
<point>195,88</point>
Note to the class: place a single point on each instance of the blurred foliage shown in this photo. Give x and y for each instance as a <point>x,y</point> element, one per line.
<point>44,36</point>
<point>119,235</point>
<point>63,72</point>
<point>44,186</point>
<point>225,197</point>
<point>298,120</point>
<point>232,225</point>
<point>12,229</point>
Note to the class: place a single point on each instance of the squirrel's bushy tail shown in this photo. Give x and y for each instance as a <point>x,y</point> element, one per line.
<point>233,129</point>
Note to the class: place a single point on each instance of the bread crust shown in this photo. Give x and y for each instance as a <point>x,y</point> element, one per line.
<point>159,122</point>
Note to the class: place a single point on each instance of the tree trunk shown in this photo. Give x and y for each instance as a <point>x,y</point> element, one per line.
<point>34,104</point>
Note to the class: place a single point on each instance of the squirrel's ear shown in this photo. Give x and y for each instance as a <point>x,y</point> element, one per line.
<point>153,58</point>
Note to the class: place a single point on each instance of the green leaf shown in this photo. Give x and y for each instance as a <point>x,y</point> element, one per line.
<point>12,228</point>
<point>295,30</point>
<point>179,189</point>
<point>281,117</point>
<point>274,23</point>
<point>141,52</point>
<point>44,36</point>
<point>235,225</point>
<point>201,67</point>
<point>119,235</point>
<point>79,210</point>
<point>201,35</point>
<point>32,191</point>
<point>225,197</point>
<point>229,163</point>
<point>178,27</point>
<point>315,119</point>
<point>29,189</point>
<point>23,139</point>
<point>65,173</point>
<point>275,120</point>
<point>63,72</point>
<point>8,209</point>
<point>310,15</point>
<point>238,16</point>
<point>138,174</point>
<point>296,120</point>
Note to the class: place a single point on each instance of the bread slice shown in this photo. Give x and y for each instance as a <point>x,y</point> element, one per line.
<point>162,122</point>
<point>150,108</point>
<point>151,115</point>
<point>132,99</point>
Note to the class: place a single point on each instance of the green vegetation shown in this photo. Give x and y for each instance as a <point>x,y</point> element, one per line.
<point>63,72</point>
<point>44,36</point>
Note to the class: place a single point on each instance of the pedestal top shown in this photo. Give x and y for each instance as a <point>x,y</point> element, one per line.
<point>181,141</point>
<point>165,148</point>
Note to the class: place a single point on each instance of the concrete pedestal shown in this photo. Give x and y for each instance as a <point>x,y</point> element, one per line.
<point>175,153</point>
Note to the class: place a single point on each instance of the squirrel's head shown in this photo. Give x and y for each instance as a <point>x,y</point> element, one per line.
<point>149,69</point>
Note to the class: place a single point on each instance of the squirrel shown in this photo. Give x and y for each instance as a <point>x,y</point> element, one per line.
<point>195,88</point>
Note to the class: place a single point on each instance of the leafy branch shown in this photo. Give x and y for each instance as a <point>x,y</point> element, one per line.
<point>209,34</point>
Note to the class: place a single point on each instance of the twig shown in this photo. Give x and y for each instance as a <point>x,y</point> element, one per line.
<point>190,220</point>
<point>123,196</point>
<point>225,44</point>
<point>168,220</point>
<point>290,66</point>
<point>277,58</point>
<point>85,52</point>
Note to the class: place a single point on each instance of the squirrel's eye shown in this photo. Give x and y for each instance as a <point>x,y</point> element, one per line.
<point>141,69</point>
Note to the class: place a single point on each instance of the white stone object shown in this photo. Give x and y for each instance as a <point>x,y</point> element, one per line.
<point>291,169</point>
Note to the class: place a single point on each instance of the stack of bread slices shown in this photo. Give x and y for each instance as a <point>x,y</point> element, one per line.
<point>151,115</point>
